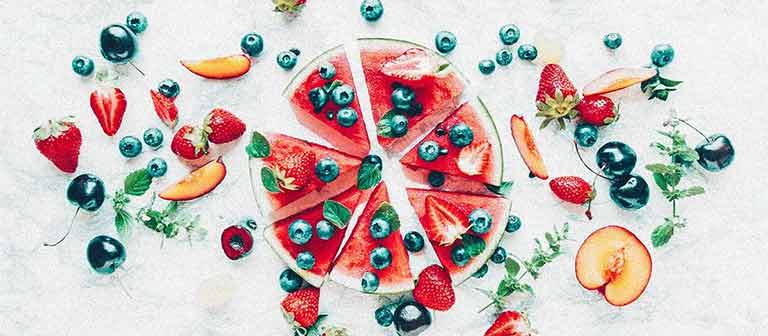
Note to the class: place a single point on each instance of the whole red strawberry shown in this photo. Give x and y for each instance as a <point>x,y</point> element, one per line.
<point>165,109</point>
<point>59,141</point>
<point>434,289</point>
<point>597,110</point>
<point>556,98</point>
<point>108,104</point>
<point>300,308</point>
<point>189,143</point>
<point>509,323</point>
<point>572,189</point>
<point>222,126</point>
<point>295,171</point>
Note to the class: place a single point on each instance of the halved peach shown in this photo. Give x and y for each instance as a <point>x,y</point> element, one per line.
<point>526,146</point>
<point>617,79</point>
<point>198,183</point>
<point>220,67</point>
<point>617,264</point>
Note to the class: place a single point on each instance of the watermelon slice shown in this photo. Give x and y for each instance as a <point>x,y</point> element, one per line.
<point>482,160</point>
<point>354,261</point>
<point>352,139</point>
<point>445,216</point>
<point>324,251</point>
<point>438,89</point>
<point>277,202</point>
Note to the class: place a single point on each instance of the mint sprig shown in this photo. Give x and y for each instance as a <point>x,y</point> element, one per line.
<point>259,146</point>
<point>336,213</point>
<point>170,221</point>
<point>659,87</point>
<point>368,176</point>
<point>135,184</point>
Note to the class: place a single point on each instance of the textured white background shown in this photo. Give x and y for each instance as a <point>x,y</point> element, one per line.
<point>710,280</point>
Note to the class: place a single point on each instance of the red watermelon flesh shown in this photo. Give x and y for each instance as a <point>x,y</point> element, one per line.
<point>352,140</point>
<point>278,205</point>
<point>324,251</point>
<point>439,95</point>
<point>480,161</point>
<point>463,204</point>
<point>354,261</point>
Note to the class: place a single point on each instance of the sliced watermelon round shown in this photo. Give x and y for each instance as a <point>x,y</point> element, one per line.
<point>275,200</point>
<point>482,160</point>
<point>324,251</point>
<point>445,217</point>
<point>436,83</point>
<point>352,139</point>
<point>354,261</point>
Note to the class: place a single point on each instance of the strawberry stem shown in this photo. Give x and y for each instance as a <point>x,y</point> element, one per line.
<point>576,146</point>
<point>72,221</point>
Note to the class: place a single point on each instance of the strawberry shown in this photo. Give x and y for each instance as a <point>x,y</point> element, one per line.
<point>108,104</point>
<point>189,143</point>
<point>557,97</point>
<point>572,189</point>
<point>434,289</point>
<point>412,66</point>
<point>445,222</point>
<point>165,108</point>
<point>295,171</point>
<point>222,126</point>
<point>59,141</point>
<point>300,308</point>
<point>475,158</point>
<point>509,323</point>
<point>597,110</point>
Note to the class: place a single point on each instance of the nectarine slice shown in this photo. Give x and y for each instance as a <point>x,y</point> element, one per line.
<point>198,183</point>
<point>617,79</point>
<point>220,67</point>
<point>613,261</point>
<point>526,146</point>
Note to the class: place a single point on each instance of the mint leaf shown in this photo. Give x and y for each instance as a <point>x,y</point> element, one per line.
<point>336,213</point>
<point>512,267</point>
<point>657,168</point>
<point>137,183</point>
<point>502,189</point>
<point>122,222</point>
<point>268,180</point>
<point>668,82</point>
<point>259,146</point>
<point>662,233</point>
<point>661,181</point>
<point>368,176</point>
<point>384,126</point>
<point>473,244</point>
<point>388,213</point>
<point>171,208</point>
<point>692,191</point>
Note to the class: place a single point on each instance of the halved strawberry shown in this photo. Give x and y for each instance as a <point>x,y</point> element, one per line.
<point>446,222</point>
<point>300,308</point>
<point>294,172</point>
<point>474,159</point>
<point>189,143</point>
<point>165,108</point>
<point>509,323</point>
<point>412,66</point>
<point>108,104</point>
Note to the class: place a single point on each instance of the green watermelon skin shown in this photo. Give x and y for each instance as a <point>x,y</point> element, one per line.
<point>498,207</point>
<point>352,140</point>
<point>439,97</point>
<point>324,251</point>
<point>353,261</point>
<point>477,117</point>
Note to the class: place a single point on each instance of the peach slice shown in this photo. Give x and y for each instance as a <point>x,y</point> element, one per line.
<point>526,146</point>
<point>617,79</point>
<point>220,67</point>
<point>617,264</point>
<point>198,183</point>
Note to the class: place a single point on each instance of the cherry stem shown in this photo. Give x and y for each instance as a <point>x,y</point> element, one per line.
<point>72,221</point>
<point>694,128</point>
<point>122,285</point>
<point>137,68</point>
<point>576,146</point>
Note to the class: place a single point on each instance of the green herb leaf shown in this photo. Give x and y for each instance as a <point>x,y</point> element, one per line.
<point>668,82</point>
<point>259,146</point>
<point>137,183</point>
<point>661,234</point>
<point>657,168</point>
<point>123,223</point>
<point>171,208</point>
<point>473,244</point>
<point>693,191</point>
<point>336,213</point>
<point>388,213</point>
<point>268,180</point>
<point>512,266</point>
<point>661,181</point>
<point>502,189</point>
<point>368,176</point>
<point>648,82</point>
<point>442,67</point>
<point>329,87</point>
<point>384,126</point>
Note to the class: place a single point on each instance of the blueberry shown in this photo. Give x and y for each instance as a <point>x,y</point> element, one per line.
<point>662,55</point>
<point>346,117</point>
<point>499,255</point>
<point>403,98</point>
<point>585,134</point>
<point>612,41</point>
<point>287,60</point>
<point>373,159</point>
<point>130,146</point>
<point>290,281</point>
<point>429,151</point>
<point>486,66</point>
<point>153,137</point>
<point>82,65</point>
<point>460,135</point>
<point>300,232</point>
<point>252,44</point>
<point>157,167</point>
<point>480,221</point>
<point>527,52</point>
<point>379,228</point>
<point>87,192</point>
<point>445,41</point>
<point>459,255</point>
<point>384,316</point>
<point>509,34</point>
<point>136,22</point>
<point>371,10</point>
<point>305,260</point>
<point>399,125</point>
<point>326,70</point>
<point>504,57</point>
<point>249,222</point>
<point>105,254</point>
<point>169,88</point>
<point>414,241</point>
<point>513,224</point>
<point>318,97</point>
<point>343,95</point>
<point>616,159</point>
<point>327,169</point>
<point>380,258</point>
<point>325,229</point>
<point>369,282</point>
<point>436,179</point>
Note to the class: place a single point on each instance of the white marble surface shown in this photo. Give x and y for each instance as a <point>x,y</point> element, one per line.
<point>710,280</point>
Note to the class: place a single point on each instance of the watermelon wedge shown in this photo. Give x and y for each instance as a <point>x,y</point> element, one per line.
<point>285,182</point>
<point>445,218</point>
<point>352,139</point>
<point>482,160</point>
<point>386,64</point>
<point>354,260</point>
<point>324,251</point>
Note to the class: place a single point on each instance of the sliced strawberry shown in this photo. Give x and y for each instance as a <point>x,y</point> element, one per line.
<point>413,65</point>
<point>434,289</point>
<point>189,143</point>
<point>165,108</point>
<point>445,223</point>
<point>108,104</point>
<point>222,126</point>
<point>295,171</point>
<point>509,323</point>
<point>475,158</point>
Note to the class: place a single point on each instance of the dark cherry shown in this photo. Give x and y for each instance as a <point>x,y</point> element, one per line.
<point>105,254</point>
<point>715,154</point>
<point>616,159</point>
<point>236,241</point>
<point>411,319</point>
<point>86,192</point>
<point>629,192</point>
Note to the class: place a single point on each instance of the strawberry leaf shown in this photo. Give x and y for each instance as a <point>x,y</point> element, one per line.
<point>388,213</point>
<point>137,183</point>
<point>336,213</point>
<point>259,146</point>
<point>268,180</point>
<point>473,244</point>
